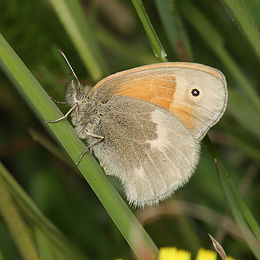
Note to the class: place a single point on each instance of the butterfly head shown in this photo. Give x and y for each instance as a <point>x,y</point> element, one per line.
<point>77,94</point>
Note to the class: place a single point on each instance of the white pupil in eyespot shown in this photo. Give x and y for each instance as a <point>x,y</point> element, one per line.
<point>195,92</point>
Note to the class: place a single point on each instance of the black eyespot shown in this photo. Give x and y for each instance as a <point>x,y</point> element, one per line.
<point>195,92</point>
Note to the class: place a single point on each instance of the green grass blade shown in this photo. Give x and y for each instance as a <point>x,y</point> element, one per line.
<point>74,21</point>
<point>43,244</point>
<point>196,18</point>
<point>245,22</point>
<point>52,148</point>
<point>236,211</point>
<point>216,42</point>
<point>240,211</point>
<point>150,32</point>
<point>57,239</point>
<point>120,48</point>
<point>253,7</point>
<point>45,109</point>
<point>17,226</point>
<point>250,94</point>
<point>240,109</point>
<point>174,28</point>
<point>1,256</point>
<point>49,251</point>
<point>246,212</point>
<point>247,144</point>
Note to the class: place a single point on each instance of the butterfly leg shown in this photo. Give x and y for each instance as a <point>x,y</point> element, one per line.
<point>63,117</point>
<point>86,150</point>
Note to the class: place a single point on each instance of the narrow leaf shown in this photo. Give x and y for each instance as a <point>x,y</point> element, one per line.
<point>45,109</point>
<point>150,32</point>
<point>74,21</point>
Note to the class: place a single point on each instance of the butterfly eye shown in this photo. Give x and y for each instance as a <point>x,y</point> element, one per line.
<point>195,92</point>
<point>79,96</point>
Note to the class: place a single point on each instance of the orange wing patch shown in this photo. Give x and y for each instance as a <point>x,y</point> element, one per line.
<point>155,84</point>
<point>157,90</point>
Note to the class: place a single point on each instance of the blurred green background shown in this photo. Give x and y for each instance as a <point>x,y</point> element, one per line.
<point>201,31</point>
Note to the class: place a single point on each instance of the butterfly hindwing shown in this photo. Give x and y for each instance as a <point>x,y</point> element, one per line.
<point>149,150</point>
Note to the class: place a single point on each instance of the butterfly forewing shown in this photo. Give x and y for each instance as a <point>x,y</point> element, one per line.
<point>170,86</point>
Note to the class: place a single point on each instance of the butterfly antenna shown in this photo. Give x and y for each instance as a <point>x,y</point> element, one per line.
<point>74,74</point>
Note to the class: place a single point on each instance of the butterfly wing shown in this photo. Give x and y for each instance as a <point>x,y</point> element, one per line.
<point>146,147</point>
<point>169,85</point>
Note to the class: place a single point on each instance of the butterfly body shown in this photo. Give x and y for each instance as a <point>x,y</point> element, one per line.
<point>152,119</point>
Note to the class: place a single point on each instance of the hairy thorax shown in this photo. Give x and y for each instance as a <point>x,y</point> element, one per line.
<point>86,119</point>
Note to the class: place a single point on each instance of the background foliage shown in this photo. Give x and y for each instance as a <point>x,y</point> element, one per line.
<point>201,31</point>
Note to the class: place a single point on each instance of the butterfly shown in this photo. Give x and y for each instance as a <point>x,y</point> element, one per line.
<point>144,125</point>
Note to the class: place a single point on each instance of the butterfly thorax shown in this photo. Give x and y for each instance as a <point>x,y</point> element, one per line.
<point>85,116</point>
